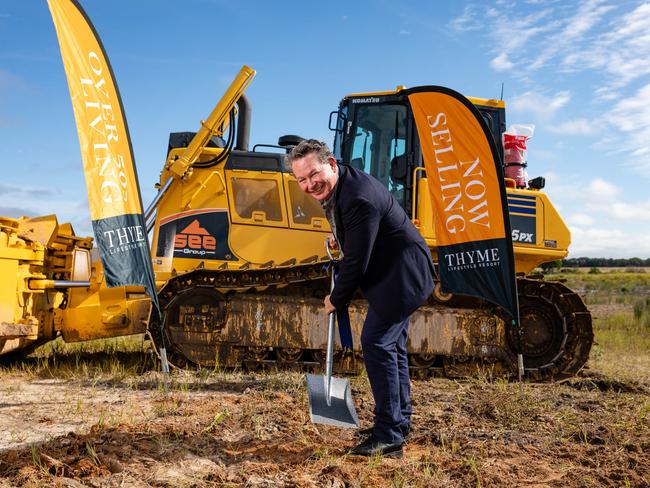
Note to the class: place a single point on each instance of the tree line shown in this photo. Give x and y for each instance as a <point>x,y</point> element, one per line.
<point>600,263</point>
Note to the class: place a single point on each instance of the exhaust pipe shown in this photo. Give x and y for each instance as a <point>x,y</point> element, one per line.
<point>243,123</point>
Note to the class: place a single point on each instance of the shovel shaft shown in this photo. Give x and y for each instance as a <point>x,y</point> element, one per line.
<point>329,358</point>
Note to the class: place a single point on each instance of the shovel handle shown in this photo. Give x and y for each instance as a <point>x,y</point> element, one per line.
<point>329,358</point>
<point>331,325</point>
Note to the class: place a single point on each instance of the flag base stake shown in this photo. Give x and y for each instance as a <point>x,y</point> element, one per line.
<point>163,360</point>
<point>520,363</point>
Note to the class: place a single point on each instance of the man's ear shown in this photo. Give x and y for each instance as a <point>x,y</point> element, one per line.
<point>332,162</point>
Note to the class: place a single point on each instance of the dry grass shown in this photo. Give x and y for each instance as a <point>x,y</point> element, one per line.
<point>117,358</point>
<point>622,346</point>
<point>620,304</point>
<point>608,287</point>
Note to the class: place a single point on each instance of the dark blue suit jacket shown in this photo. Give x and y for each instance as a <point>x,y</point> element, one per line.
<point>383,253</point>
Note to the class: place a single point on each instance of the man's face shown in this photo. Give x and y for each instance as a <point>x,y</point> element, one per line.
<point>316,178</point>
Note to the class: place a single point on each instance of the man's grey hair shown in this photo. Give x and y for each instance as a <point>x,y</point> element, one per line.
<point>309,146</point>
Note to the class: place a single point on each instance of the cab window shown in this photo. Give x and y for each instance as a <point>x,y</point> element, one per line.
<point>378,146</point>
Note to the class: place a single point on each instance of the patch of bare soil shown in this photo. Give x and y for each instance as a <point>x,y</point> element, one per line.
<point>37,410</point>
<point>254,430</point>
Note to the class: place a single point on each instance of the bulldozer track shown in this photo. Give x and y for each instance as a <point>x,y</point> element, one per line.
<point>556,339</point>
<point>234,281</point>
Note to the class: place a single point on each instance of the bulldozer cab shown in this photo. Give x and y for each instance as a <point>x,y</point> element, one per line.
<point>376,133</point>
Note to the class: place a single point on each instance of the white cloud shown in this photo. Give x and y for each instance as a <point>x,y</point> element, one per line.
<point>578,126</point>
<point>512,32</point>
<point>404,32</point>
<point>540,105</point>
<point>580,219</point>
<point>501,63</point>
<point>621,52</point>
<point>467,21</point>
<point>606,93</point>
<point>600,189</point>
<point>632,114</point>
<point>588,35</point>
<point>608,201</point>
<point>608,243</point>
<point>630,211</point>
<point>603,224</point>
<point>631,117</point>
<point>571,31</point>
<point>588,15</point>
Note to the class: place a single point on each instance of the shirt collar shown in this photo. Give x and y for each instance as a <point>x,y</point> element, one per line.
<point>329,201</point>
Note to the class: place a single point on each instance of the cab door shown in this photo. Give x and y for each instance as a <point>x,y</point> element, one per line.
<point>255,189</point>
<point>255,198</point>
<point>305,213</point>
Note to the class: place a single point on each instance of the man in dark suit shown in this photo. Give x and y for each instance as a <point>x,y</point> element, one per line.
<point>386,257</point>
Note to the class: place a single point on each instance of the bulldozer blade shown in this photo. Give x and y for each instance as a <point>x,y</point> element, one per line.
<point>338,409</point>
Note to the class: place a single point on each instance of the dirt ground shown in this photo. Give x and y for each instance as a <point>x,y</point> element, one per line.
<point>253,430</point>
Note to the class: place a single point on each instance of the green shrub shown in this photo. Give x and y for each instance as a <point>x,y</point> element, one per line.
<point>570,270</point>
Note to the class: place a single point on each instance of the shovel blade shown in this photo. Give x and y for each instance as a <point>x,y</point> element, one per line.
<point>340,411</point>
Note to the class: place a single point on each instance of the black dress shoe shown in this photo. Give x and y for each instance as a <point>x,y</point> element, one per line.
<point>375,447</point>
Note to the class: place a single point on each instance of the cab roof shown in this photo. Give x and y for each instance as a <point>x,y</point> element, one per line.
<point>488,102</point>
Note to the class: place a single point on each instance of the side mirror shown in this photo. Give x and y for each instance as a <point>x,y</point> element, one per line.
<point>536,183</point>
<point>334,124</point>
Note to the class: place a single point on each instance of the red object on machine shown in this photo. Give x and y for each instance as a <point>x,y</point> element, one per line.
<point>514,154</point>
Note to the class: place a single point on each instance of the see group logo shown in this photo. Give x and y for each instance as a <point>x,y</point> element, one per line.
<point>195,234</point>
<point>194,239</point>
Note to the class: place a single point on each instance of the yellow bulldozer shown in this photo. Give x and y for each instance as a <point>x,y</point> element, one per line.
<point>239,260</point>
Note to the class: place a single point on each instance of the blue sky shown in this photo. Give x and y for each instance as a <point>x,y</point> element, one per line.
<point>578,70</point>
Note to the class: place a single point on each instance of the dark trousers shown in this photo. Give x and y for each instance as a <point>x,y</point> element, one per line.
<point>384,354</point>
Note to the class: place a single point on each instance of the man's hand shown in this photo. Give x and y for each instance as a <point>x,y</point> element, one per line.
<point>329,308</point>
<point>331,242</point>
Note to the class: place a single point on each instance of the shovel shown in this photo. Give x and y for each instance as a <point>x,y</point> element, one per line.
<point>330,399</point>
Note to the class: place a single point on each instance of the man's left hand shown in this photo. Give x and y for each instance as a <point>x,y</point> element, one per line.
<point>329,308</point>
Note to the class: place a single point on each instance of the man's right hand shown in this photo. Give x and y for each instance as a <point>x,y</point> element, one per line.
<point>331,242</point>
<point>329,306</point>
